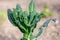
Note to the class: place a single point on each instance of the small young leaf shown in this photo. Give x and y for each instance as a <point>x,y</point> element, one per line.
<point>46,11</point>
<point>18,8</point>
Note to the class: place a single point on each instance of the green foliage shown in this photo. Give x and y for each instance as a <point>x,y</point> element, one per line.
<point>46,11</point>
<point>2,17</point>
<point>27,21</point>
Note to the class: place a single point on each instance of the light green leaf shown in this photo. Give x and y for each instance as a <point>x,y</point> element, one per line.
<point>32,6</point>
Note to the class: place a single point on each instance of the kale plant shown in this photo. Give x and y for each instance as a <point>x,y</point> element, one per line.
<point>27,21</point>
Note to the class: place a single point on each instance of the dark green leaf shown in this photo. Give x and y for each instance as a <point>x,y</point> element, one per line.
<point>11,18</point>
<point>39,32</point>
<point>32,17</point>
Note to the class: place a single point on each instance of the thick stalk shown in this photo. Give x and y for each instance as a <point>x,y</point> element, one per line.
<point>26,37</point>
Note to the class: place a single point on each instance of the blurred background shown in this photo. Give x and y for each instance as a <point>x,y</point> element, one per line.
<point>9,32</point>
